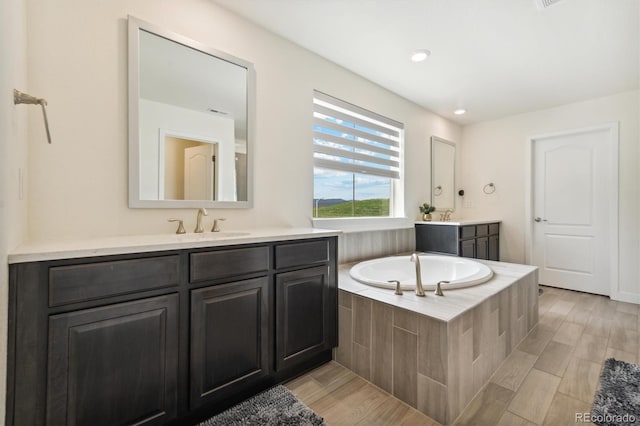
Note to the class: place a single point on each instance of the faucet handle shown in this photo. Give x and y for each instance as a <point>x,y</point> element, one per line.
<point>438,291</point>
<point>180,225</point>
<point>398,288</point>
<point>216,228</point>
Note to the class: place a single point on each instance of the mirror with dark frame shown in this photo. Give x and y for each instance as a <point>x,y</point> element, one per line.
<point>190,122</point>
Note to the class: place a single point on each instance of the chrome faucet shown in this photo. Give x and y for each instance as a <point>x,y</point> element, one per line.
<point>199,229</point>
<point>419,290</point>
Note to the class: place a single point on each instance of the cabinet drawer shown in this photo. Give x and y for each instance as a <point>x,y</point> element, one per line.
<point>482,230</point>
<point>494,228</point>
<point>300,254</point>
<point>467,232</point>
<point>79,283</point>
<point>212,265</point>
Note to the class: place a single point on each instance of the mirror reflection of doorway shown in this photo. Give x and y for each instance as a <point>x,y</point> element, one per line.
<point>199,172</point>
<point>189,169</point>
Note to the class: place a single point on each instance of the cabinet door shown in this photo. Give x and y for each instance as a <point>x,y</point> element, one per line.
<point>229,339</point>
<point>437,238</point>
<point>468,248</point>
<point>494,247</point>
<point>114,365</point>
<point>304,315</point>
<point>482,248</point>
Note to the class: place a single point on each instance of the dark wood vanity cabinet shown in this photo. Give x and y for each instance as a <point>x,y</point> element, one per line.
<point>478,241</point>
<point>113,365</point>
<point>229,346</point>
<point>306,297</point>
<point>304,316</point>
<point>167,337</point>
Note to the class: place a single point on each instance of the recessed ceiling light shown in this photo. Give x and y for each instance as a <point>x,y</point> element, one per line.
<point>420,55</point>
<point>460,111</point>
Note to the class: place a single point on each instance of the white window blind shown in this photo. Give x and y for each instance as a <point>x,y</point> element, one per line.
<point>351,139</point>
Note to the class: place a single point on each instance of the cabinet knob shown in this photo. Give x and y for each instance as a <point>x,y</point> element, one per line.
<point>539,219</point>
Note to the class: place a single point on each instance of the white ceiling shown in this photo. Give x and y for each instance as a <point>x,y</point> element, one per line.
<point>492,57</point>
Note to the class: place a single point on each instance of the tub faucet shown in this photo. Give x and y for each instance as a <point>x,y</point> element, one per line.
<point>199,229</point>
<point>438,291</point>
<point>398,288</point>
<point>419,290</point>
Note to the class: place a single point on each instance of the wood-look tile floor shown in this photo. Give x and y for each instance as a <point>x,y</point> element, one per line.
<point>549,378</point>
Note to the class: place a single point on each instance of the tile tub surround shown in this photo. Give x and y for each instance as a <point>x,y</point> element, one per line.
<point>435,353</point>
<point>355,246</point>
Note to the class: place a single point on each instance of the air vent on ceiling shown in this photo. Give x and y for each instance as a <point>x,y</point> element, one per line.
<point>543,4</point>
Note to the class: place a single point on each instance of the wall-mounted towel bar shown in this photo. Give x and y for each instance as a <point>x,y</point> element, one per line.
<point>23,98</point>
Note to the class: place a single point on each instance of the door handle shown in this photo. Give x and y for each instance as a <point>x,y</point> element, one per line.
<point>539,219</point>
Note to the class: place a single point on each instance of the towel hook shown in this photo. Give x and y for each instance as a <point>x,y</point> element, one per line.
<point>489,188</point>
<point>23,98</point>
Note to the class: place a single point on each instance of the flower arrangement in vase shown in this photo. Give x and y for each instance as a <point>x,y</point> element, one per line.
<point>426,210</point>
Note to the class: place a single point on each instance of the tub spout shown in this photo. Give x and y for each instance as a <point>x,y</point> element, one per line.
<point>419,290</point>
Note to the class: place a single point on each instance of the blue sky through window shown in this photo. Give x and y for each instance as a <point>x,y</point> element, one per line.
<point>330,184</point>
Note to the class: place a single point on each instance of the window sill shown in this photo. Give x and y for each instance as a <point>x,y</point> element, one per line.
<point>363,224</point>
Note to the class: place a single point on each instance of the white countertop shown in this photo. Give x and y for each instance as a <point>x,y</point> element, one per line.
<point>460,222</point>
<point>444,308</point>
<point>53,250</point>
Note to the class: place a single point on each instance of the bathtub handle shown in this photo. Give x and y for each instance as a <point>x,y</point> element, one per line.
<point>398,288</point>
<point>438,291</point>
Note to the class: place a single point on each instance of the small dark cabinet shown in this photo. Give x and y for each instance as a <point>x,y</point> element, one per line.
<point>468,248</point>
<point>305,317</point>
<point>494,244</point>
<point>478,241</point>
<point>482,248</point>
<point>114,365</point>
<point>229,338</point>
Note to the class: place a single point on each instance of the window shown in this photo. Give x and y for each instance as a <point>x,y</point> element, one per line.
<point>356,158</point>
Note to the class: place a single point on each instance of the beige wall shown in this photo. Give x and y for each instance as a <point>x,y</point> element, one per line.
<point>13,153</point>
<point>78,61</point>
<point>495,151</point>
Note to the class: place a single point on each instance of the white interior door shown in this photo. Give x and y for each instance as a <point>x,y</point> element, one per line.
<point>199,172</point>
<point>572,180</point>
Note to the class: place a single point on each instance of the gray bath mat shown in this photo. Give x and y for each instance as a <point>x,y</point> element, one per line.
<point>617,400</point>
<point>275,406</point>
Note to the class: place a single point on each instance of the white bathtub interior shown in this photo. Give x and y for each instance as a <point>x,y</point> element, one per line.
<point>460,272</point>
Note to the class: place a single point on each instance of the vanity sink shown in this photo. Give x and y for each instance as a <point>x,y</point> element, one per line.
<point>211,236</point>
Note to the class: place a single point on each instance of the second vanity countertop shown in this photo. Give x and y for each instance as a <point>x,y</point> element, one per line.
<point>461,222</point>
<point>54,250</point>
